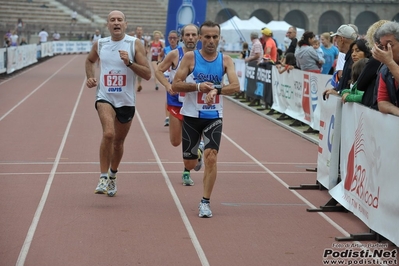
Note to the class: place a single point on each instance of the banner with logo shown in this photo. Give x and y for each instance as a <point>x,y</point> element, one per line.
<point>46,49</point>
<point>183,12</point>
<point>299,95</point>
<point>239,65</point>
<point>369,169</point>
<point>329,142</point>
<point>250,79</point>
<point>264,83</point>
<point>19,57</point>
<point>71,47</point>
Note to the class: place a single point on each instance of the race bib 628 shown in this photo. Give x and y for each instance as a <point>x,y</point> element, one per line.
<point>115,80</point>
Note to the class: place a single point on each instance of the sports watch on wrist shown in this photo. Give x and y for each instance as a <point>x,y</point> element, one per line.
<point>130,63</point>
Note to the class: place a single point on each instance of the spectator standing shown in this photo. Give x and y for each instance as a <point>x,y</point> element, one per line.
<point>7,35</point>
<point>43,35</point>
<point>245,51</point>
<point>319,51</point>
<point>270,47</point>
<point>341,57</point>
<point>343,38</point>
<point>14,38</point>
<point>256,53</point>
<point>74,18</point>
<point>367,79</point>
<point>290,64</point>
<point>56,36</point>
<point>306,56</point>
<point>387,52</point>
<point>23,41</point>
<point>96,36</point>
<point>291,34</point>
<point>200,76</point>
<point>359,50</point>
<point>20,26</point>
<point>122,58</point>
<point>353,94</point>
<point>330,52</point>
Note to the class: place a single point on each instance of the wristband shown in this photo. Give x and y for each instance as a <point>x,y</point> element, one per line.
<point>198,86</point>
<point>218,88</point>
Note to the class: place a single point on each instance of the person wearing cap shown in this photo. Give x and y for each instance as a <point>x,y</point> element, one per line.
<point>341,57</point>
<point>343,38</point>
<point>270,47</point>
<point>256,53</point>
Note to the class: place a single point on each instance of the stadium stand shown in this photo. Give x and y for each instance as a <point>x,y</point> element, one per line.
<point>92,14</point>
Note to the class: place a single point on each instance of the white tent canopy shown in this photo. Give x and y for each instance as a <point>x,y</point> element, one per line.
<point>232,37</point>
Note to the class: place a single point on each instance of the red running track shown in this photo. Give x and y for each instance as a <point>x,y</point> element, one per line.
<point>50,136</point>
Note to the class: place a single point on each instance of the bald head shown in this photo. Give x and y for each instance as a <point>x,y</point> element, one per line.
<point>116,13</point>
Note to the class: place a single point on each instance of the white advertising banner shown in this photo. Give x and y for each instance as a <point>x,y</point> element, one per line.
<point>71,47</point>
<point>369,169</point>
<point>20,56</point>
<point>3,66</point>
<point>46,49</point>
<point>299,94</point>
<point>329,142</point>
<point>240,70</point>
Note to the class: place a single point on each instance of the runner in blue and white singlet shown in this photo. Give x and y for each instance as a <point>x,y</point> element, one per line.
<point>205,71</point>
<point>174,100</point>
<point>203,107</point>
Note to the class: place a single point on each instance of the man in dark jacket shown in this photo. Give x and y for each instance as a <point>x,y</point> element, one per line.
<point>387,52</point>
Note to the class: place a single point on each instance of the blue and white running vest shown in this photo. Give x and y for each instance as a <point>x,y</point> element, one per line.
<point>194,102</point>
<point>175,100</point>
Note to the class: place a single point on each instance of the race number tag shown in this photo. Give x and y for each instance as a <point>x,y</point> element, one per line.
<point>201,97</point>
<point>114,82</point>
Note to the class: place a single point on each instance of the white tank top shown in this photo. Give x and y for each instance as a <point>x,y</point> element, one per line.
<point>117,81</point>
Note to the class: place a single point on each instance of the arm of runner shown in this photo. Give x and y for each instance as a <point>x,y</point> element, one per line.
<point>162,67</point>
<point>186,67</point>
<point>232,87</point>
<point>89,66</point>
<point>140,64</point>
<point>179,82</point>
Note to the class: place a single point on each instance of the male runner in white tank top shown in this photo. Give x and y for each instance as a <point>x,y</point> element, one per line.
<point>122,58</point>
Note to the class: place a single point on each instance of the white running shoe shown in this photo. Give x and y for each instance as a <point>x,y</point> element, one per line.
<point>111,187</point>
<point>200,155</point>
<point>102,186</point>
<point>205,209</point>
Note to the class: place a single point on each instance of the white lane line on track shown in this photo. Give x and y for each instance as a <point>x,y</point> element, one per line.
<point>278,179</point>
<point>32,229</point>
<point>187,224</point>
<point>147,172</point>
<point>19,74</point>
<point>30,94</point>
<point>147,162</point>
